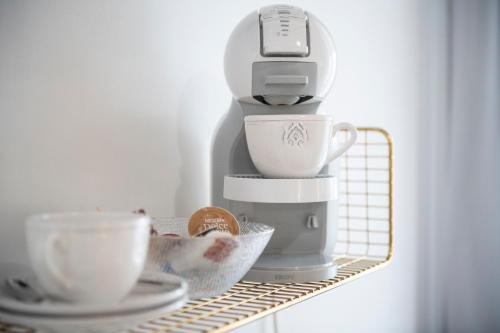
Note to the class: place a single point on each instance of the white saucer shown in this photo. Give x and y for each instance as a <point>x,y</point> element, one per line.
<point>99,324</point>
<point>154,295</point>
<point>153,290</point>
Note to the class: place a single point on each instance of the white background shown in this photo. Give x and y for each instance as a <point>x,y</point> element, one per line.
<point>113,104</point>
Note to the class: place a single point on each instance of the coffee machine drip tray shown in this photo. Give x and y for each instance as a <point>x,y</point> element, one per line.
<point>288,268</point>
<point>255,188</point>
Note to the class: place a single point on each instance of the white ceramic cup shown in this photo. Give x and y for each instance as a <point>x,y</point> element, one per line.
<point>91,258</point>
<point>294,146</point>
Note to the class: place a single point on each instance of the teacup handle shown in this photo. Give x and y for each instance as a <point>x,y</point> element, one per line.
<point>353,134</point>
<point>53,248</point>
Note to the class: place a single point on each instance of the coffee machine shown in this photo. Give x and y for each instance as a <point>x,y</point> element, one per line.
<point>278,60</point>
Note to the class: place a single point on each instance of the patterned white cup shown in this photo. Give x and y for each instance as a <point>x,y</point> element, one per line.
<point>294,146</point>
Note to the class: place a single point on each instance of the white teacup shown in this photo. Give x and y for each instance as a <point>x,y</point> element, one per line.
<point>93,258</point>
<point>294,146</point>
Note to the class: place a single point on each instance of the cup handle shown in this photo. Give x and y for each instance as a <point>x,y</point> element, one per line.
<point>53,248</point>
<point>333,154</point>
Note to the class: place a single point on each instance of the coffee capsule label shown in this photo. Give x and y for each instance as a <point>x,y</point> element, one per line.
<point>213,218</point>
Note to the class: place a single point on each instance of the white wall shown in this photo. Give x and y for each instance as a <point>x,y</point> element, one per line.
<point>112,105</point>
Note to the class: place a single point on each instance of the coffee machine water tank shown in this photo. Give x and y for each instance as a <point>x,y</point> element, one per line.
<point>281,55</point>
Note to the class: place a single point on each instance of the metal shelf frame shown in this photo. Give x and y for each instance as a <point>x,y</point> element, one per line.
<point>364,245</point>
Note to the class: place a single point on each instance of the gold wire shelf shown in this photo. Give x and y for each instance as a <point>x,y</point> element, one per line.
<point>365,238</point>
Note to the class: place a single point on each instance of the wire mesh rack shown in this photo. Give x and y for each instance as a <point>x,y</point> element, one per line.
<point>364,244</point>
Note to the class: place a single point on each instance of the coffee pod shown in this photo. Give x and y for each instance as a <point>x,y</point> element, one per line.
<point>213,217</point>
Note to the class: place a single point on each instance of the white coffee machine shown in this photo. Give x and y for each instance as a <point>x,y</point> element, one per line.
<point>279,60</point>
